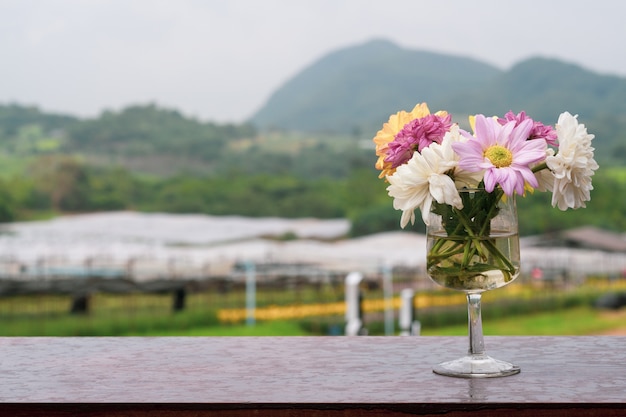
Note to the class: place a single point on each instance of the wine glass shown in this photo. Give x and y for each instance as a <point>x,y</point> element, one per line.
<point>474,249</point>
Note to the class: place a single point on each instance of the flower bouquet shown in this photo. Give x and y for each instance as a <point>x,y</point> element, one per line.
<point>465,186</point>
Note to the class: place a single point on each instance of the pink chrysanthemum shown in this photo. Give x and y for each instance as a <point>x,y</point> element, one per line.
<point>538,131</point>
<point>503,152</point>
<point>415,136</point>
<point>388,133</point>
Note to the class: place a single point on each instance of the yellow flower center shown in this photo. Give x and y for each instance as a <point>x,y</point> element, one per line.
<point>499,156</point>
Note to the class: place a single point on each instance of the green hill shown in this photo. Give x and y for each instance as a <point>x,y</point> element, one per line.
<point>358,87</point>
<point>348,93</point>
<point>301,154</point>
<point>355,89</point>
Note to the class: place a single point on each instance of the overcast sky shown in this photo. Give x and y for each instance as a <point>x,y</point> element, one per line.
<point>220,60</point>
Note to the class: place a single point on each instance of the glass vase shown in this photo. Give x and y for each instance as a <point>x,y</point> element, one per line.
<point>474,249</point>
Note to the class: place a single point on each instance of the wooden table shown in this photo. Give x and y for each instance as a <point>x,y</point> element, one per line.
<point>317,376</point>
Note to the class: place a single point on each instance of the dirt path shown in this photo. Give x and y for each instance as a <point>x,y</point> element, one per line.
<point>615,332</point>
<point>619,317</point>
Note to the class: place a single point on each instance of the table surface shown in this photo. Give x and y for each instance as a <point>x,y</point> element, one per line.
<point>305,370</point>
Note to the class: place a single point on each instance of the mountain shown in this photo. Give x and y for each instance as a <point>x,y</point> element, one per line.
<point>141,138</point>
<point>355,89</point>
<point>547,87</point>
<point>349,91</point>
<point>13,117</point>
<point>358,87</point>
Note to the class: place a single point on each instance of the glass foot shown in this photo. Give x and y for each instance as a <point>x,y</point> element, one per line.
<point>476,366</point>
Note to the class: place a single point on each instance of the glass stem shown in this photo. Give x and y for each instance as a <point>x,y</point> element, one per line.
<point>475,325</point>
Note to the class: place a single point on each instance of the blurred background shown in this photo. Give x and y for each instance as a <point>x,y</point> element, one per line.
<point>207,168</point>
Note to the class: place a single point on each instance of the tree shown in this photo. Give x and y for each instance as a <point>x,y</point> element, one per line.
<point>64,179</point>
<point>7,205</point>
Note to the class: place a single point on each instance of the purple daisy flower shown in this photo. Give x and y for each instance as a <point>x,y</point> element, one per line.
<point>503,152</point>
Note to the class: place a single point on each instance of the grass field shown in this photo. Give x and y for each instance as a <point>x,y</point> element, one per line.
<point>516,310</point>
<point>577,321</point>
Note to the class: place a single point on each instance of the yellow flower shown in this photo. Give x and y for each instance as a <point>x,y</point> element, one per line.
<point>389,131</point>
<point>472,122</point>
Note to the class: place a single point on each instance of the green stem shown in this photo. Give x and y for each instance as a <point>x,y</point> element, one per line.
<point>436,258</point>
<point>493,207</point>
<point>473,244</point>
<point>500,256</point>
<point>540,167</point>
<point>473,228</point>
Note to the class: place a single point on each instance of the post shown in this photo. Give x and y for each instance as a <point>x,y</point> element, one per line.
<point>354,323</point>
<point>388,295</point>
<point>409,326</point>
<point>180,296</point>
<point>80,304</point>
<point>250,293</point>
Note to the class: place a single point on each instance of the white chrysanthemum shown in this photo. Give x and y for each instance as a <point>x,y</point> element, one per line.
<point>422,179</point>
<point>462,178</point>
<point>573,165</point>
